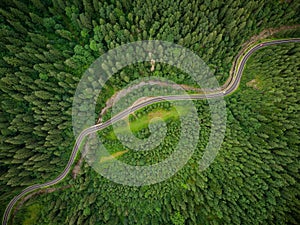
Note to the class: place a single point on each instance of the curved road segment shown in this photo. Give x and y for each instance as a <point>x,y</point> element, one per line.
<point>231,87</point>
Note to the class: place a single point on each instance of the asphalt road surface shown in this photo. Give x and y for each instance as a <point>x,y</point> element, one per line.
<point>231,87</point>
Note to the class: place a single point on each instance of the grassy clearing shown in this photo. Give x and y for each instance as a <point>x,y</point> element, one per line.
<point>112,156</point>
<point>138,123</point>
<point>32,214</point>
<point>255,83</point>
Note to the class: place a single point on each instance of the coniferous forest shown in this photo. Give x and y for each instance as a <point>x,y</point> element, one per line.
<point>46,46</point>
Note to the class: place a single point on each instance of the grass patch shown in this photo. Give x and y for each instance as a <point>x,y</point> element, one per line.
<point>137,123</point>
<point>254,84</point>
<point>32,214</point>
<point>112,156</point>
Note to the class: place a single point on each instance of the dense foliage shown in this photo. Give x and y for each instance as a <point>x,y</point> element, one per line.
<point>253,180</point>
<point>47,45</point>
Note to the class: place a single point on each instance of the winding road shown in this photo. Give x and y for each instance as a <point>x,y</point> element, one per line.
<point>232,85</point>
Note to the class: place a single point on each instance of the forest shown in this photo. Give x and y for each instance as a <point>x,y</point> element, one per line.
<point>46,46</point>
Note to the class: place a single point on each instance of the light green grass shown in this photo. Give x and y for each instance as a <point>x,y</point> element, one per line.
<point>32,214</point>
<point>142,122</point>
<point>112,156</point>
